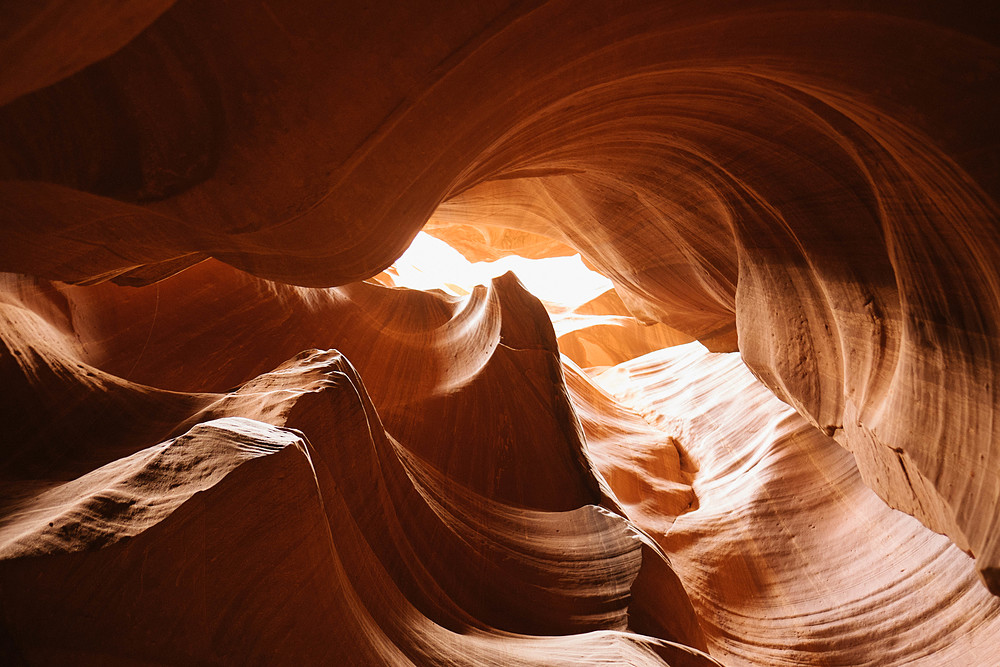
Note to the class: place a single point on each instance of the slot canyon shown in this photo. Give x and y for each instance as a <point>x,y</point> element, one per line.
<point>762,426</point>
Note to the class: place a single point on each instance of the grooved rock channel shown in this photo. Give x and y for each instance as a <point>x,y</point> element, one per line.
<point>227,438</point>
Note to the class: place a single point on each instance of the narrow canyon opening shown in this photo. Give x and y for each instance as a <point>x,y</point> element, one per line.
<point>592,325</point>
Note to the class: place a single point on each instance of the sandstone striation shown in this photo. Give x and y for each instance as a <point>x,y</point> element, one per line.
<point>787,555</point>
<point>367,549</point>
<point>223,441</point>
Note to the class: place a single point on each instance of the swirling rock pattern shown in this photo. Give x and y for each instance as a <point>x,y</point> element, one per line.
<point>814,185</point>
<point>788,556</point>
<point>283,522</point>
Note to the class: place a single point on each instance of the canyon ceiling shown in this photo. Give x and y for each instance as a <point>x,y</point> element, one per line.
<point>227,437</point>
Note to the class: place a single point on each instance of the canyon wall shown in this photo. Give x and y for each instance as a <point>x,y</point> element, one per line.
<point>220,445</point>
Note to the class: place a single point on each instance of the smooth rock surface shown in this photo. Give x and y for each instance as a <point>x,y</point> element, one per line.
<point>191,194</point>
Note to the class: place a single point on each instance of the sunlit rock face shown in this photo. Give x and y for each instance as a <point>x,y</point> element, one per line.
<point>220,445</point>
<point>452,516</point>
<point>789,558</point>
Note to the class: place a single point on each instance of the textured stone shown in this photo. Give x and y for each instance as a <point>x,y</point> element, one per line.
<point>190,193</point>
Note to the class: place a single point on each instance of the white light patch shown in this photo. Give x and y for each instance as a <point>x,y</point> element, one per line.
<point>563,282</point>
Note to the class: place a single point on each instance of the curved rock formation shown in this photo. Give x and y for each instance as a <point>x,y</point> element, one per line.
<point>422,553</point>
<point>815,184</point>
<point>788,556</point>
<point>601,332</point>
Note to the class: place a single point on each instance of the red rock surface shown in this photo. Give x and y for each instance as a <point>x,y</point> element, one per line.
<point>191,192</point>
<point>788,556</point>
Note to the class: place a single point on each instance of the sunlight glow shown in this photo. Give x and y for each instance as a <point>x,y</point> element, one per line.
<point>560,282</point>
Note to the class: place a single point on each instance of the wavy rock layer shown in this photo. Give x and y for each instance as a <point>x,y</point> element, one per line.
<point>817,184</point>
<point>814,185</point>
<point>282,519</point>
<point>788,556</point>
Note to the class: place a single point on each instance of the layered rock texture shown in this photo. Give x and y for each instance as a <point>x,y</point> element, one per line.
<point>226,437</point>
